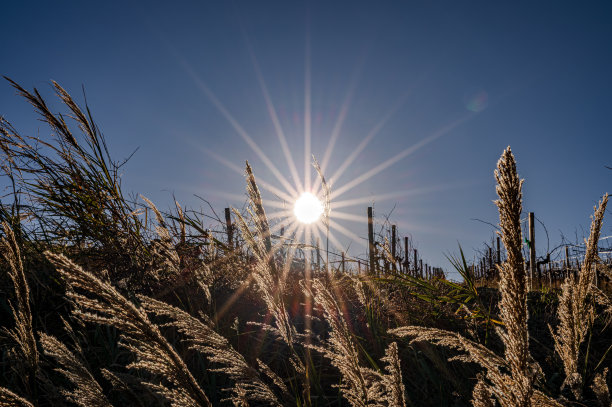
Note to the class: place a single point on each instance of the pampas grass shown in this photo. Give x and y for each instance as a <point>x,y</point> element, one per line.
<point>22,334</point>
<point>203,338</point>
<point>10,399</point>
<point>360,386</point>
<point>103,304</point>
<point>87,392</point>
<point>515,388</point>
<point>576,311</point>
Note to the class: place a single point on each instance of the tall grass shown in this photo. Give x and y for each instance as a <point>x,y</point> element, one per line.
<point>102,307</point>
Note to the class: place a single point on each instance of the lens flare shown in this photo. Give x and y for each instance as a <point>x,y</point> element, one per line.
<point>308,208</point>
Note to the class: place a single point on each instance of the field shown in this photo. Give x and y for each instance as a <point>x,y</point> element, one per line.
<point>106,301</point>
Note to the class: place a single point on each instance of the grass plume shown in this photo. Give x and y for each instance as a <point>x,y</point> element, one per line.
<point>576,311</point>
<point>103,304</point>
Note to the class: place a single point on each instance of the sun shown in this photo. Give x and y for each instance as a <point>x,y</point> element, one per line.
<point>308,208</point>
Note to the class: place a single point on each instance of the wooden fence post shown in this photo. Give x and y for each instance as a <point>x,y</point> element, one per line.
<point>230,229</point>
<point>318,255</point>
<point>498,252</point>
<point>406,262</point>
<point>343,263</point>
<point>567,261</point>
<point>393,230</point>
<point>532,252</point>
<point>371,247</point>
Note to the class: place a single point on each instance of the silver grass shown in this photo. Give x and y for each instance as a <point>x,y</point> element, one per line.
<point>87,392</point>
<point>119,382</point>
<point>269,283</point>
<point>103,304</point>
<point>10,399</point>
<point>164,252</point>
<point>326,192</point>
<point>360,386</point>
<point>22,334</point>
<point>576,313</point>
<point>269,287</point>
<point>393,382</point>
<point>515,388</point>
<point>203,338</point>
<point>513,281</point>
<point>341,350</point>
<point>601,390</point>
<point>257,210</point>
<point>481,395</point>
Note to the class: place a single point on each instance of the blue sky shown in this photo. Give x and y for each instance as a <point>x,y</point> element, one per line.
<point>443,86</point>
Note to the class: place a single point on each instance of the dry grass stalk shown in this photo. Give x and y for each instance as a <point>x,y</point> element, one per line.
<point>10,399</point>
<point>103,304</point>
<point>515,389</point>
<point>87,392</point>
<point>164,256</point>
<point>72,188</point>
<point>22,334</point>
<point>120,382</point>
<point>340,349</point>
<point>257,211</point>
<point>481,395</point>
<point>203,338</point>
<point>360,386</point>
<point>326,191</point>
<point>393,382</point>
<point>576,312</point>
<point>601,390</point>
<point>513,281</point>
<point>268,282</point>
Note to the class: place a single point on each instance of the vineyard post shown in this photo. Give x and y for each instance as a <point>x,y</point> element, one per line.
<point>230,234</point>
<point>567,261</point>
<point>415,263</point>
<point>498,252</point>
<point>406,262</point>
<point>597,272</point>
<point>393,231</point>
<point>490,262</point>
<point>577,268</point>
<point>371,239</point>
<point>318,255</point>
<point>532,252</point>
<point>343,263</point>
<point>421,267</point>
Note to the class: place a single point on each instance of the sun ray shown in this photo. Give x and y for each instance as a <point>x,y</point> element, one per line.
<point>275,204</point>
<point>348,216</point>
<point>307,111</point>
<point>270,188</point>
<point>279,214</point>
<point>375,130</point>
<point>403,154</point>
<point>346,232</point>
<point>238,128</point>
<point>393,195</point>
<point>346,104</point>
<point>274,116</point>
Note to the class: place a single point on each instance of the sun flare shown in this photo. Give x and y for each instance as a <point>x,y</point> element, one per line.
<point>308,208</point>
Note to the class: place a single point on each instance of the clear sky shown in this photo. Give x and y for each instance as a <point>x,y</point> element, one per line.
<point>438,88</point>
